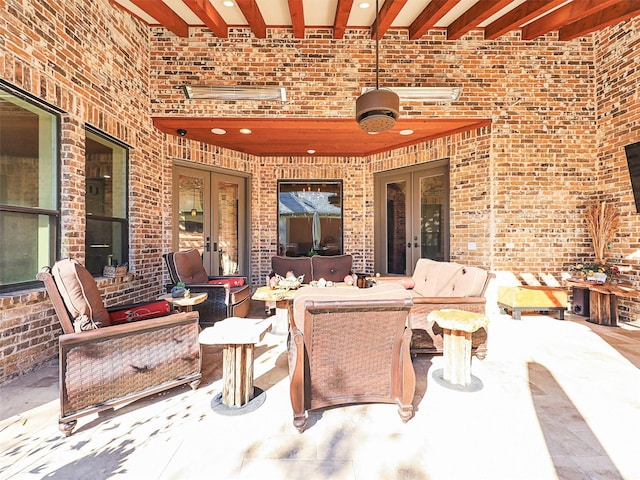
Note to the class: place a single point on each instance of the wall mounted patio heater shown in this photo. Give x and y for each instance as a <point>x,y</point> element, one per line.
<point>232,93</point>
<point>424,94</point>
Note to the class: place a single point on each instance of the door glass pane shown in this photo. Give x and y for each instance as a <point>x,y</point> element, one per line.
<point>190,211</point>
<point>228,200</point>
<point>432,201</point>
<point>309,218</point>
<point>396,195</point>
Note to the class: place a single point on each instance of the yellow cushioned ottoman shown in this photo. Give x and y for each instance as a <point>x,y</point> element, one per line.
<point>524,297</point>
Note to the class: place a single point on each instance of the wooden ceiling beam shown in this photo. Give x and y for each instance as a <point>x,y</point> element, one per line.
<point>251,12</point>
<point>612,15</point>
<point>386,16</point>
<point>343,10</point>
<point>209,16</point>
<point>296,11</point>
<point>563,16</point>
<point>474,17</point>
<point>433,12</point>
<point>519,16</point>
<point>164,15</point>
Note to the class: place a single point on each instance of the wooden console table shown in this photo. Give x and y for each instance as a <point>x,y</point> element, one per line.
<point>603,300</point>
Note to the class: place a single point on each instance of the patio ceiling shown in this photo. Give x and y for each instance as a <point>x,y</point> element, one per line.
<point>339,136</point>
<point>325,136</point>
<point>532,18</point>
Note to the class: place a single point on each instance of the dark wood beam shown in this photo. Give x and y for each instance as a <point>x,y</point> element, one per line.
<point>386,16</point>
<point>517,17</point>
<point>474,17</point>
<point>251,12</point>
<point>433,12</point>
<point>612,15</point>
<point>164,15</point>
<point>343,10</point>
<point>210,16</point>
<point>296,11</point>
<point>563,16</point>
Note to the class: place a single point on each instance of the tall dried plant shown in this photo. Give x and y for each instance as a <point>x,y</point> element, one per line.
<point>602,223</point>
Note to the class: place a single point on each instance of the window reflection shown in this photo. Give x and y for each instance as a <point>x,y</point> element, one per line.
<point>309,218</point>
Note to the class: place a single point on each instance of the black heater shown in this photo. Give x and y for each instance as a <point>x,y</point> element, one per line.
<point>580,304</point>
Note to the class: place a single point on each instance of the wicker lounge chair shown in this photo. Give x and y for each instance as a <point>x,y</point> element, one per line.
<point>226,296</point>
<point>111,365</point>
<point>350,346</point>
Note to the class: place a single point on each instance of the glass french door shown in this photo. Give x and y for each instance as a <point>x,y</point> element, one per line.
<point>210,216</point>
<point>412,212</point>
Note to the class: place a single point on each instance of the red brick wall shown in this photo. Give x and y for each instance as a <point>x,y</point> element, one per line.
<point>561,112</point>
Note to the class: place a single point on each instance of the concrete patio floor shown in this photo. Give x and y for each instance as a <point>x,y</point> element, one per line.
<point>556,400</point>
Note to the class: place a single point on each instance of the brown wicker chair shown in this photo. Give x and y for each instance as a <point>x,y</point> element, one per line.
<point>112,365</point>
<point>223,299</point>
<point>350,346</point>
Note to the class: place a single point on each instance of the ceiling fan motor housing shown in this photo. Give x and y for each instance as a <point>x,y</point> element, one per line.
<point>377,110</point>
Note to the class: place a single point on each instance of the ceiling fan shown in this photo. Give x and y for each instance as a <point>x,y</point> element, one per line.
<point>377,110</point>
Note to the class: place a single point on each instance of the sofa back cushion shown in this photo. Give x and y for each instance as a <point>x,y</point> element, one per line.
<point>80,294</point>
<point>448,279</point>
<point>388,291</point>
<point>469,282</point>
<point>434,279</point>
<point>297,265</point>
<point>331,267</point>
<point>187,267</point>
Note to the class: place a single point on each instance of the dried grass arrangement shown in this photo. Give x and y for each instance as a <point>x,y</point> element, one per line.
<point>603,223</point>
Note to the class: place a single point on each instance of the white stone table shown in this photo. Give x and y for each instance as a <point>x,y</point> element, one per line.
<point>457,326</point>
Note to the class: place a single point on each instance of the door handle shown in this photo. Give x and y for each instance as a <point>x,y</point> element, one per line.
<point>207,244</point>
<point>409,245</point>
<point>416,245</point>
<point>215,246</point>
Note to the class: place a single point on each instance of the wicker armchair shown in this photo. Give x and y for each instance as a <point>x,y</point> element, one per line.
<point>226,296</point>
<point>111,365</point>
<point>350,346</point>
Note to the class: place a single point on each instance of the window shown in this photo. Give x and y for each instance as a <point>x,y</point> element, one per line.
<point>309,218</point>
<point>28,189</point>
<point>106,202</point>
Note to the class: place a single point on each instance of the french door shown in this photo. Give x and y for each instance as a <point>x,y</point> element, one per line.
<point>210,215</point>
<point>412,218</point>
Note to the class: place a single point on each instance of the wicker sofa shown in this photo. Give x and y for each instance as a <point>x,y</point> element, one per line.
<point>349,345</point>
<point>330,267</point>
<point>438,285</point>
<point>108,365</point>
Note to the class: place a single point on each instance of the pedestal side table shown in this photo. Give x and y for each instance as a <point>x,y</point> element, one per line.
<point>184,304</point>
<point>238,337</point>
<point>457,326</point>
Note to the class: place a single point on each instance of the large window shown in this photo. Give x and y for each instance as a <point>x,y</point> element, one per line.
<point>28,189</point>
<point>309,218</point>
<point>106,202</point>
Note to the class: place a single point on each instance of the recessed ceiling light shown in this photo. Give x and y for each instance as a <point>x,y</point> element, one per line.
<point>311,151</point>
<point>364,5</point>
<point>218,131</point>
<point>245,131</point>
<point>406,132</point>
<point>228,3</point>
<point>373,133</point>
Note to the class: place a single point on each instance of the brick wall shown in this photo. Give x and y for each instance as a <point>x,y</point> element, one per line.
<point>561,112</point>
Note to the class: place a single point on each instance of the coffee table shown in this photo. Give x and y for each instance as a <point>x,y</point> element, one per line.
<point>238,336</point>
<point>283,299</point>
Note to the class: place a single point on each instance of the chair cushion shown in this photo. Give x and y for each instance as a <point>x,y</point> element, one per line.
<point>188,267</point>
<point>139,311</point>
<point>434,279</point>
<point>80,294</point>
<point>332,267</point>
<point>297,265</point>
<point>231,281</point>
